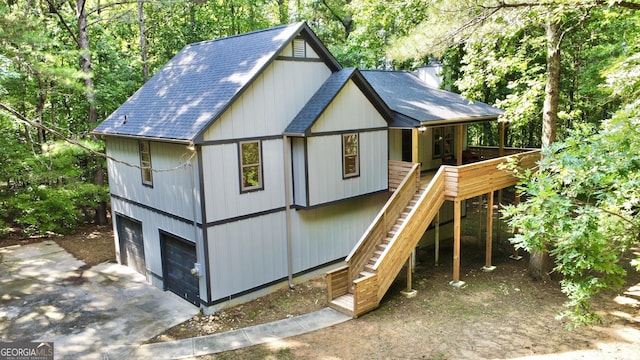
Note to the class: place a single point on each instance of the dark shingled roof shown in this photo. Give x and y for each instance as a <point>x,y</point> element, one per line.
<point>301,124</point>
<point>415,103</point>
<point>195,87</point>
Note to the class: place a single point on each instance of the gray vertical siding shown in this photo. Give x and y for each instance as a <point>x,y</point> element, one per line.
<point>168,205</point>
<point>173,189</point>
<point>329,233</point>
<point>247,254</point>
<point>221,176</point>
<point>299,178</point>
<point>271,102</point>
<point>326,183</point>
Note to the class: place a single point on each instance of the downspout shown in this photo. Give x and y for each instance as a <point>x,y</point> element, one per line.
<point>287,205</point>
<point>194,209</point>
<point>194,201</point>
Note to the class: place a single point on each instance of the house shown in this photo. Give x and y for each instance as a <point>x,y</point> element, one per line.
<point>248,161</point>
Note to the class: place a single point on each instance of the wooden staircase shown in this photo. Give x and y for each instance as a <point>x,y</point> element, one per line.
<point>377,258</point>
<point>386,245</point>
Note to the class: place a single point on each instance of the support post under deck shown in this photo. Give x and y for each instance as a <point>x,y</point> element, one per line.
<point>456,245</point>
<point>437,240</point>
<point>516,255</point>
<point>409,292</point>
<point>489,237</point>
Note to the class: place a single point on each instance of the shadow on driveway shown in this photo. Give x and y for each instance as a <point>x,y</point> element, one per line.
<point>88,313</point>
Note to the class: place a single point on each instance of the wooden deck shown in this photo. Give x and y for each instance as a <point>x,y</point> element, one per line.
<point>386,246</point>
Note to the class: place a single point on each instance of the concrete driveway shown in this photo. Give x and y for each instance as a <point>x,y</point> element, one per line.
<point>101,312</point>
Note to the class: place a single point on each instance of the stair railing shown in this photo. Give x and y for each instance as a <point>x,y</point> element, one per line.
<point>386,218</point>
<point>409,233</point>
<point>340,280</point>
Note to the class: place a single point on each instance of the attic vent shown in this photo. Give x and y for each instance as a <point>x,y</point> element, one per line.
<point>299,48</point>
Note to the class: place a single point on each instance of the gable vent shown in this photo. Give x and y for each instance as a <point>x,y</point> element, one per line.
<point>299,48</point>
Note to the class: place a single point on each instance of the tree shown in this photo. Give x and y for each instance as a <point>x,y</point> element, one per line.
<point>470,22</point>
<point>68,64</point>
<point>582,205</point>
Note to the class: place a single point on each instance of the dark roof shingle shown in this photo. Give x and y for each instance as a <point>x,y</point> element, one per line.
<point>318,102</point>
<point>197,85</point>
<point>411,98</point>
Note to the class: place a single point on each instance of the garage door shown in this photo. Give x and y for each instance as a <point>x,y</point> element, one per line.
<point>131,244</point>
<point>178,257</point>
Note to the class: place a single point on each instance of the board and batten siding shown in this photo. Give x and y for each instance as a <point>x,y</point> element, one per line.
<point>174,187</point>
<point>271,101</point>
<point>326,183</point>
<point>395,144</point>
<point>247,254</point>
<point>221,178</point>
<point>328,233</point>
<point>350,111</point>
<point>299,171</point>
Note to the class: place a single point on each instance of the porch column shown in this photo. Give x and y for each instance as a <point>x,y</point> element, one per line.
<point>414,145</point>
<point>489,238</point>
<point>459,138</point>
<point>456,245</point>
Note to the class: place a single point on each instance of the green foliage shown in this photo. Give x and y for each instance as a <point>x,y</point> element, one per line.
<point>582,206</point>
<point>358,32</point>
<point>497,55</point>
<point>41,209</point>
<point>51,191</point>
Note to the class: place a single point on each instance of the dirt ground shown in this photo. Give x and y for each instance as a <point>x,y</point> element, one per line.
<point>91,244</point>
<point>497,315</point>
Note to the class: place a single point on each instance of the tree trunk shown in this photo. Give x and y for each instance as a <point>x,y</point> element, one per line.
<point>143,41</point>
<point>552,88</point>
<point>85,59</point>
<point>539,263</point>
<point>283,11</point>
<point>85,65</point>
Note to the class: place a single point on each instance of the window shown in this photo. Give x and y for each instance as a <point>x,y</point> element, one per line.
<point>145,163</point>
<point>250,166</point>
<point>350,156</point>
<point>442,142</point>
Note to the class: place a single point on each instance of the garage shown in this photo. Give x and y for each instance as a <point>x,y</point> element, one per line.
<point>178,258</point>
<point>131,243</point>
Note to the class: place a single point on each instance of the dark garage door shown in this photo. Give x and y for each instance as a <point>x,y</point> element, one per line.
<point>131,244</point>
<point>178,257</point>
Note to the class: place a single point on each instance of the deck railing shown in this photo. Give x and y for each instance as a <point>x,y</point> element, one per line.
<point>467,181</point>
<point>492,152</point>
<point>449,183</point>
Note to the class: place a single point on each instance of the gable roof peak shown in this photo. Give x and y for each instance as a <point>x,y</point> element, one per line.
<point>201,82</point>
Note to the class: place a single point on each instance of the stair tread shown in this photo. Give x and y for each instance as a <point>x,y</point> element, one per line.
<point>369,268</point>
<point>344,304</point>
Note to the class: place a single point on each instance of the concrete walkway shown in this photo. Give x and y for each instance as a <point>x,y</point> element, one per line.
<point>241,338</point>
<point>107,311</point>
